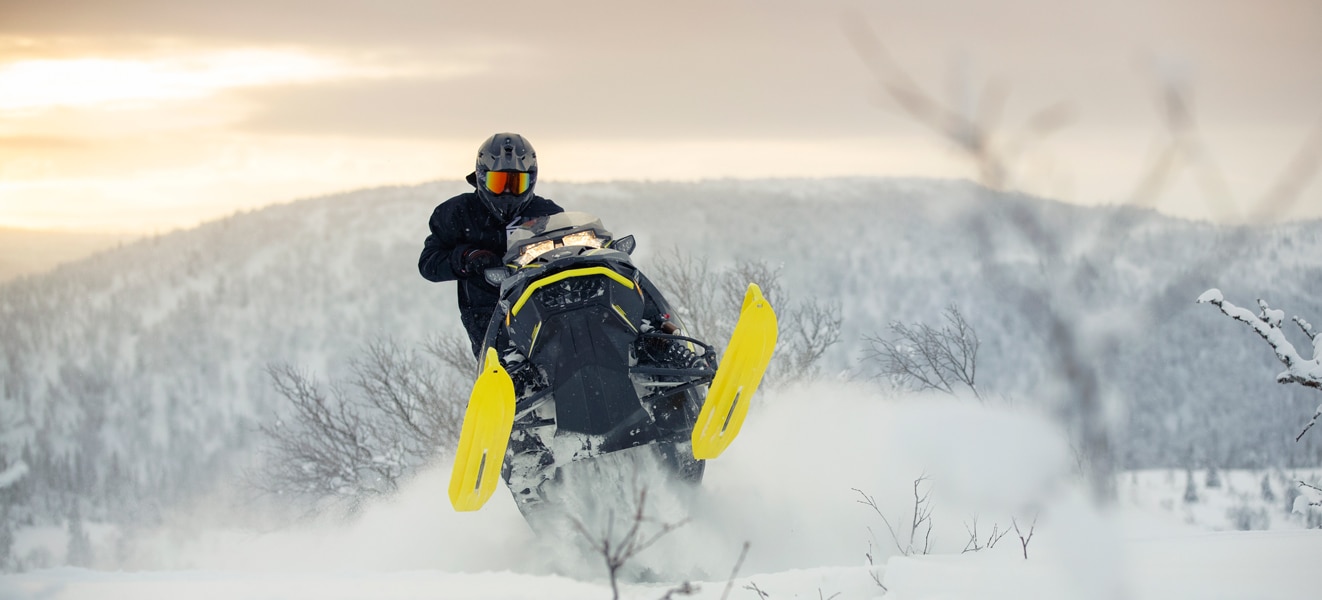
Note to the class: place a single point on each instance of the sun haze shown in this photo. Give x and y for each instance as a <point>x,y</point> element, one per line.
<point>147,115</point>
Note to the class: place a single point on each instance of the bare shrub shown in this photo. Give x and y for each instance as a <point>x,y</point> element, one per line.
<point>354,439</point>
<point>920,526</point>
<point>616,551</point>
<point>924,357</point>
<point>708,301</point>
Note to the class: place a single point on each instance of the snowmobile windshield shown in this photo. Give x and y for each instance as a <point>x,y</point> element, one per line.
<point>535,237</point>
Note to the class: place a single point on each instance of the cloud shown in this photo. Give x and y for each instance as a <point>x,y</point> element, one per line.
<point>584,108</point>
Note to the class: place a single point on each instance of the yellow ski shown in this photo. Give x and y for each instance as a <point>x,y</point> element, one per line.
<point>482,441</point>
<point>746,358</point>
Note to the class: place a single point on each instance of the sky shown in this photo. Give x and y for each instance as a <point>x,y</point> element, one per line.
<point>142,116</point>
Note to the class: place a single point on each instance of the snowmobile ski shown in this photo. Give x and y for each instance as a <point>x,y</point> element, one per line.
<point>741,369</point>
<point>485,434</point>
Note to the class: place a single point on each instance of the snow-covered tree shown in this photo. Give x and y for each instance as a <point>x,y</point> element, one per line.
<point>1190,488</point>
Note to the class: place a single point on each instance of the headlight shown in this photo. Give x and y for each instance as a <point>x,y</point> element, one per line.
<point>532,251</point>
<point>582,238</point>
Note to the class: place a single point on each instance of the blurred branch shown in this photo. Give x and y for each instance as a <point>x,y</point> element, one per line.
<point>976,134</point>
<point>1073,352</point>
<point>729,582</point>
<point>1289,187</point>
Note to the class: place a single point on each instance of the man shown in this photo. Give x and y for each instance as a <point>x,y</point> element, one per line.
<point>468,231</point>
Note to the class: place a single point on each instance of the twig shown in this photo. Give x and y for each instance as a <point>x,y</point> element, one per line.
<point>974,544</point>
<point>873,571</point>
<point>756,590</point>
<point>1316,414</point>
<point>1023,541</point>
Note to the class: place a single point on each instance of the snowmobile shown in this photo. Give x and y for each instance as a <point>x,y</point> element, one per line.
<point>585,359</point>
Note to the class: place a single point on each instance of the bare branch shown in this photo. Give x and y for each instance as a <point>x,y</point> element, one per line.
<point>1267,324</point>
<point>872,502</point>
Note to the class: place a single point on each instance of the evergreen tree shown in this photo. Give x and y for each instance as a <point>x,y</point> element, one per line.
<point>1267,493</point>
<point>6,541</point>
<point>1190,490</point>
<point>80,544</point>
<point>1213,477</point>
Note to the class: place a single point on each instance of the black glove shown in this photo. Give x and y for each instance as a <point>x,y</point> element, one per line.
<point>476,261</point>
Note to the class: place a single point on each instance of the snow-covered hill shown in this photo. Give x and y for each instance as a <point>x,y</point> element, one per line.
<point>135,379</point>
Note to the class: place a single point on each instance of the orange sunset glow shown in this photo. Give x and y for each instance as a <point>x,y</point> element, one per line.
<point>154,115</point>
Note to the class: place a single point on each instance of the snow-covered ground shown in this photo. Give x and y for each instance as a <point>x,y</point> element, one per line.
<point>791,487</point>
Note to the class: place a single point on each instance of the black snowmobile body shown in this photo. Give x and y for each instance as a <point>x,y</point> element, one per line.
<point>598,358</point>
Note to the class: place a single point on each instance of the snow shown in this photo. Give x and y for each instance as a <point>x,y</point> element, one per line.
<point>1213,295</point>
<point>787,487</point>
<point>1231,565</point>
<point>11,475</point>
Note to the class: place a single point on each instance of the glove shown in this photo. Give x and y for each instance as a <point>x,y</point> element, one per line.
<point>477,260</point>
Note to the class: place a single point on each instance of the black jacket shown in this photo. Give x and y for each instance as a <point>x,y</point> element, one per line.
<point>458,225</point>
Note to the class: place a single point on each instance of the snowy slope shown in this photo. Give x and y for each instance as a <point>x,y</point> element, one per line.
<point>787,488</point>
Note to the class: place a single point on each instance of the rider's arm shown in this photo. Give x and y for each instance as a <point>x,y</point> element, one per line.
<point>442,250</point>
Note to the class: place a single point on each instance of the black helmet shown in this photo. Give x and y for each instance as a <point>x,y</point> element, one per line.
<point>506,173</point>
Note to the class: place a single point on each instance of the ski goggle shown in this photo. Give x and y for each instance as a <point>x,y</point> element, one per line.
<point>508,182</point>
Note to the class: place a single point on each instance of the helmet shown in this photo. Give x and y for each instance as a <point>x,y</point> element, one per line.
<point>505,175</point>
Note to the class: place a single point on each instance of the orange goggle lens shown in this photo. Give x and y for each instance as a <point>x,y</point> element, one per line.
<point>508,182</point>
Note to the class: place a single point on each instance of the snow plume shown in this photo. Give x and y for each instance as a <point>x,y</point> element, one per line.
<point>789,487</point>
